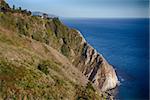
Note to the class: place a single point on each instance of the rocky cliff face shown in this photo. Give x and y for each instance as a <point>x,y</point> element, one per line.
<point>94,66</point>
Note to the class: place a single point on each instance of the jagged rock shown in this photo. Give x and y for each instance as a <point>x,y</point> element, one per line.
<point>96,68</point>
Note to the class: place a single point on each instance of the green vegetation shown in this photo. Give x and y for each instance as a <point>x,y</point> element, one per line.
<point>22,27</point>
<point>87,93</point>
<point>29,69</point>
<point>18,81</point>
<point>43,68</point>
<point>53,33</point>
<point>65,50</point>
<point>46,64</point>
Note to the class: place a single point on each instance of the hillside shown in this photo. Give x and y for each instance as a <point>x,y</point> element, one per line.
<point>43,59</point>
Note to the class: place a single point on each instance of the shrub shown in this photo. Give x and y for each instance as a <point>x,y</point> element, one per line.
<point>65,50</point>
<point>87,93</point>
<point>43,67</point>
<point>22,27</point>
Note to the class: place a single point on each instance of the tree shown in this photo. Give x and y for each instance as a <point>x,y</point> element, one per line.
<point>20,8</point>
<point>13,7</point>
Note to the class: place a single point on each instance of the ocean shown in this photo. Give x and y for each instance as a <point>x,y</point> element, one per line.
<point>125,45</point>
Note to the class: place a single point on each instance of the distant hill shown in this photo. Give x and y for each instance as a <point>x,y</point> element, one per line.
<point>41,14</point>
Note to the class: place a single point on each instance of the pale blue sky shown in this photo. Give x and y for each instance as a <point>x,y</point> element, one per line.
<point>87,8</point>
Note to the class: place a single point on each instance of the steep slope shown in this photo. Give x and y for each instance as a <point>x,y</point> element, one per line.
<point>34,70</point>
<point>43,58</point>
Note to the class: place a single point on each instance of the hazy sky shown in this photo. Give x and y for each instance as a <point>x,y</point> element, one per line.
<point>87,8</point>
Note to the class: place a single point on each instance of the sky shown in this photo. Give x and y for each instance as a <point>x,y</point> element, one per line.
<point>87,8</point>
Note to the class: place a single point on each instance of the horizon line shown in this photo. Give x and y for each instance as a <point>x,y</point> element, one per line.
<point>104,17</point>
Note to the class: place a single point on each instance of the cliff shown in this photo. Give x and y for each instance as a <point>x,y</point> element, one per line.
<point>42,58</point>
<point>94,66</point>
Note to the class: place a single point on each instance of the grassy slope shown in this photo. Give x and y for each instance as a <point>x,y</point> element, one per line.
<point>31,68</point>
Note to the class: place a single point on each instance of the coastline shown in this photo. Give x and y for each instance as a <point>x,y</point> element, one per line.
<point>111,78</point>
<point>123,44</point>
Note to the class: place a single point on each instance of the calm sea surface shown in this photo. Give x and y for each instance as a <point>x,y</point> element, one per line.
<point>124,43</point>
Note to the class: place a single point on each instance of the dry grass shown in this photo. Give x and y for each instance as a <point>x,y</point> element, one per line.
<point>35,57</point>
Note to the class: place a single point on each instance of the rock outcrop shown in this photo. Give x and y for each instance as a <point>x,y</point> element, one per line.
<point>94,66</point>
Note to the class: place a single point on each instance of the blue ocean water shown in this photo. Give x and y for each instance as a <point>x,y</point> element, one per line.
<point>125,45</point>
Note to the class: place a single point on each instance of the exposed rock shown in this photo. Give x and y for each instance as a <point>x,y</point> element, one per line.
<point>96,68</point>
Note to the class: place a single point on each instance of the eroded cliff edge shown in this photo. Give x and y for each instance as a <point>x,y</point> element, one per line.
<point>94,66</point>
<point>65,40</point>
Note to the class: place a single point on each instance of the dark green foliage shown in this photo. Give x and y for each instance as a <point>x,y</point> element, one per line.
<point>41,37</point>
<point>37,36</point>
<point>65,50</point>
<point>20,8</point>
<point>44,67</point>
<point>52,34</point>
<point>13,7</point>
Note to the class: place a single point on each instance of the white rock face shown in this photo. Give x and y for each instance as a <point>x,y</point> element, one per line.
<point>111,80</point>
<point>106,77</point>
<point>96,68</point>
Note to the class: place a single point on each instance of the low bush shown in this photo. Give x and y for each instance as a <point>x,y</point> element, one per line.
<point>44,67</point>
